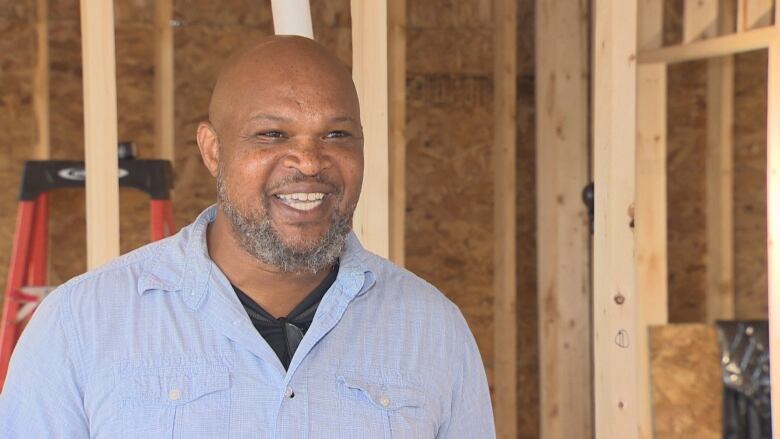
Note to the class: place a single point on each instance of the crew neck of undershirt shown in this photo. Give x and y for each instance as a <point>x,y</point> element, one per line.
<point>284,334</point>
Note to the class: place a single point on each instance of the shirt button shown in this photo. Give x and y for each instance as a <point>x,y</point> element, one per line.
<point>236,322</point>
<point>288,393</point>
<point>384,401</point>
<point>174,394</point>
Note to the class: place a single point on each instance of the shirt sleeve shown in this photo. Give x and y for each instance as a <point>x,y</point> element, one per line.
<point>471,415</point>
<point>42,395</point>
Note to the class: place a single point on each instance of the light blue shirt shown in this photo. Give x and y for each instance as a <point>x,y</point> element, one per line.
<point>157,345</point>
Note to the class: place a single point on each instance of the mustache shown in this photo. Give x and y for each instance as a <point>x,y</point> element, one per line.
<point>299,177</point>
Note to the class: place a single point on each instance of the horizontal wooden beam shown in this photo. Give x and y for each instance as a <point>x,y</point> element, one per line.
<point>711,48</point>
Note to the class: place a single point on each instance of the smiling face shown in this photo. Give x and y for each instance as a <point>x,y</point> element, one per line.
<point>286,145</point>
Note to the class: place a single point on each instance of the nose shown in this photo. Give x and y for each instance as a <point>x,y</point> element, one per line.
<point>308,157</point>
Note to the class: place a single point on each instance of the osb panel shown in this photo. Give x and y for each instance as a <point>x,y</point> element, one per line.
<point>686,118</point>
<point>750,227</point>
<point>17,121</point>
<point>687,391</point>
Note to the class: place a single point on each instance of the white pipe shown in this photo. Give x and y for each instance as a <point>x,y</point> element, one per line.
<point>292,17</point>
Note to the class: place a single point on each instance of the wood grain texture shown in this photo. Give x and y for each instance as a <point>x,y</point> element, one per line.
<point>164,142</point>
<point>651,202</point>
<point>687,388</point>
<point>773,221</point>
<point>562,171</point>
<point>397,128</point>
<point>615,301</point>
<point>371,222</point>
<point>100,131</point>
<point>504,216</point>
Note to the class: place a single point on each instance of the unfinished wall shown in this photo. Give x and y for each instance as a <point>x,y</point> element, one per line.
<point>687,176</point>
<point>17,122</point>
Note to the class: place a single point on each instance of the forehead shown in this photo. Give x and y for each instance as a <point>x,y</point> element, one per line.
<point>293,91</point>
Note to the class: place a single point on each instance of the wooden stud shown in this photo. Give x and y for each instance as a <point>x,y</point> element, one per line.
<point>700,19</point>
<point>100,130</point>
<point>650,225</point>
<point>369,70</point>
<point>615,300</point>
<point>562,171</point>
<point>711,47</point>
<point>651,250</point>
<point>752,14</point>
<point>163,80</point>
<point>773,222</point>
<point>397,83</point>
<point>504,217</point>
<point>42,148</point>
<point>719,187</point>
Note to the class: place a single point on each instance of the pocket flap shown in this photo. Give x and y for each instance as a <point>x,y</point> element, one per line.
<point>381,395</point>
<point>174,386</point>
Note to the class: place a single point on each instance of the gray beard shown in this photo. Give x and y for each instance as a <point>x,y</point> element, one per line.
<point>255,233</point>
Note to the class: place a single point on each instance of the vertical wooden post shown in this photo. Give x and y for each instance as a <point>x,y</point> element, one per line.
<point>719,188</point>
<point>773,221</point>
<point>42,148</point>
<point>163,80</point>
<point>614,294</point>
<point>369,70</point>
<point>100,130</point>
<point>700,19</point>
<point>505,201</point>
<point>564,293</point>
<point>650,227</point>
<point>397,84</point>
<point>753,13</point>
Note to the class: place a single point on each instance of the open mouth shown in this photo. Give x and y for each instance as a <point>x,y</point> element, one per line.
<point>304,201</point>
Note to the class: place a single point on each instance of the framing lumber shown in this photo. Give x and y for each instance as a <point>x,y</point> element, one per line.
<point>752,14</point>
<point>712,47</point>
<point>42,148</point>
<point>651,204</point>
<point>100,130</point>
<point>719,184</point>
<point>615,301</point>
<point>397,84</point>
<point>292,17</point>
<point>370,73</point>
<point>504,217</point>
<point>700,19</point>
<point>163,80</point>
<point>562,170</point>
<point>773,222</point>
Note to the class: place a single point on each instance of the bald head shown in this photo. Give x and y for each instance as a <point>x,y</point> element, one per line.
<point>283,64</point>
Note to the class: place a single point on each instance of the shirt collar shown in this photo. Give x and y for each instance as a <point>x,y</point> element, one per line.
<point>182,263</point>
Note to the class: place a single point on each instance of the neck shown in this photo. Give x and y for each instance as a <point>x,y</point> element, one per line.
<point>276,291</point>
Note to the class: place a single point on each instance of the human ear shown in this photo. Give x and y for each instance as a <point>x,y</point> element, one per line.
<point>208,143</point>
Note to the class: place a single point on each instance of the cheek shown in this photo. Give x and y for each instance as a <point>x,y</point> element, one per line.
<point>351,166</point>
<point>246,175</point>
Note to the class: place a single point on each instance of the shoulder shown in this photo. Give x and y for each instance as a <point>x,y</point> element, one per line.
<point>404,289</point>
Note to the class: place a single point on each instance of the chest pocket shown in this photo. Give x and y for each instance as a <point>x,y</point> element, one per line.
<point>176,403</point>
<point>383,408</point>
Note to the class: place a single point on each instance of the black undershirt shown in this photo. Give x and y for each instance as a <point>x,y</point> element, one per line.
<point>285,333</point>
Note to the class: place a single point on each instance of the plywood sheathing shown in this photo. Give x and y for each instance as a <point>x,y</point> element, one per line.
<point>687,387</point>
<point>750,195</point>
<point>449,218</point>
<point>17,63</point>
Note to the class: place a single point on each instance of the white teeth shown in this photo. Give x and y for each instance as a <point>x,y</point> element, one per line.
<point>303,196</point>
<point>301,200</point>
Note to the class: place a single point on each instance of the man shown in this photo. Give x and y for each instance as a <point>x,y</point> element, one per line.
<point>265,318</point>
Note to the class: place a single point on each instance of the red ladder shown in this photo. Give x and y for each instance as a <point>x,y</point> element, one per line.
<point>27,273</point>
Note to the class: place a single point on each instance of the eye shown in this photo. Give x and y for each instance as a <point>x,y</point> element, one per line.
<point>271,134</point>
<point>337,134</point>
